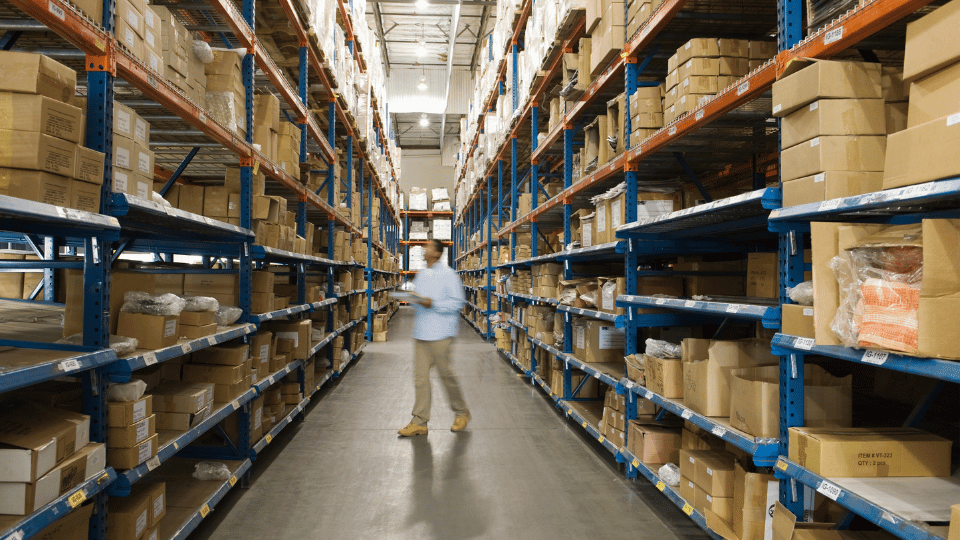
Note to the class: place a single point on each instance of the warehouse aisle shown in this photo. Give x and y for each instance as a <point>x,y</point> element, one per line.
<point>519,471</point>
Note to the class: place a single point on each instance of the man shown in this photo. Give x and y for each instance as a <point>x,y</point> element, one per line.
<point>440,295</point>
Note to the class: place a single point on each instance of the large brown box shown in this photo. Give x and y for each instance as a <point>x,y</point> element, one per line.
<point>664,376</point>
<point>706,383</point>
<point>870,452</point>
<point>125,437</point>
<point>128,517</point>
<point>224,355</point>
<point>923,153</point>
<point>654,445</point>
<point>798,320</point>
<point>36,186</point>
<point>763,275</point>
<point>152,331</point>
<point>834,153</point>
<point>830,185</point>
<point>128,458</point>
<point>833,117</point>
<point>932,42</point>
<point>29,73</point>
<point>35,438</point>
<point>934,96</point>
<point>715,473</point>
<point>38,152</point>
<point>599,341</point>
<point>804,81</point>
<point>41,114</point>
<point>122,414</point>
<point>180,397</point>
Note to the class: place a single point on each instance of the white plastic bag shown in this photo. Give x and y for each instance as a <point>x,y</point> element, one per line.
<point>126,392</point>
<point>663,349</point>
<point>670,474</point>
<point>802,293</point>
<point>228,315</point>
<point>202,50</point>
<point>200,303</point>
<point>211,470</point>
<point>120,344</point>
<point>141,302</point>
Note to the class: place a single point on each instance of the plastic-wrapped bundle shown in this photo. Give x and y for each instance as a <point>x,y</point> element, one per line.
<point>670,474</point>
<point>344,356</point>
<point>126,392</point>
<point>141,302</point>
<point>120,344</point>
<point>224,107</point>
<point>211,470</point>
<point>317,334</point>
<point>663,349</point>
<point>879,280</point>
<point>200,303</point>
<point>802,293</point>
<point>590,297</point>
<point>227,315</point>
<point>202,50</point>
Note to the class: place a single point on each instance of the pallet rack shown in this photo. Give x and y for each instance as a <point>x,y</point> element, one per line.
<point>754,221</point>
<point>128,223</point>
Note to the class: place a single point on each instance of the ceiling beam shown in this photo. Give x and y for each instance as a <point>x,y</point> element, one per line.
<point>439,2</point>
<point>383,42</point>
<point>387,14</point>
<point>479,45</point>
<point>454,26</point>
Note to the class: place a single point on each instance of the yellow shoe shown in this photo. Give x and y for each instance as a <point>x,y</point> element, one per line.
<point>412,430</point>
<point>460,422</point>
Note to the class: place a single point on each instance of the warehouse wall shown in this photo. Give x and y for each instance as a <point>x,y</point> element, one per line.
<point>422,168</point>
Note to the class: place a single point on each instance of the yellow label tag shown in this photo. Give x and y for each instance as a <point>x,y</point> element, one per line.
<point>77,499</point>
<point>660,485</point>
<point>583,424</point>
<point>176,446</point>
<point>104,478</point>
<point>99,44</point>
<point>233,481</point>
<point>269,438</point>
<point>205,511</point>
<point>635,463</point>
<point>600,438</point>
<point>782,465</point>
<point>687,509</point>
<point>256,167</point>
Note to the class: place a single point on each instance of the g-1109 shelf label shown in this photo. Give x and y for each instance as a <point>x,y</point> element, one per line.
<point>804,343</point>
<point>829,490</point>
<point>875,357</point>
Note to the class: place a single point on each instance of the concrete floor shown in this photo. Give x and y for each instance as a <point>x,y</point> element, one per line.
<point>519,471</point>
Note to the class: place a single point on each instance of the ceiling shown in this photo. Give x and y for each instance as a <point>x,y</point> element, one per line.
<point>401,25</point>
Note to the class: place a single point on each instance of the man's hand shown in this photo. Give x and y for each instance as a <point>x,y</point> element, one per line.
<point>426,302</point>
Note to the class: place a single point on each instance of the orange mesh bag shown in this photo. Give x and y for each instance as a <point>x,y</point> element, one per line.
<point>889,315</point>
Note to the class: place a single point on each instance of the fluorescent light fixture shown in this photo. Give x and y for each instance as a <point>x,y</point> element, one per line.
<point>423,120</point>
<point>422,4</point>
<point>422,85</point>
<point>422,48</point>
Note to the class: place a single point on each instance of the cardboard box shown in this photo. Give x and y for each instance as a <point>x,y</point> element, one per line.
<point>653,444</point>
<point>129,517</point>
<point>123,414</point>
<point>698,85</point>
<point>870,452</point>
<point>224,355</point>
<point>715,474</point>
<point>830,185</point>
<point>156,493</point>
<point>833,117</point>
<point>35,186</point>
<point>755,397</point>
<point>35,438</point>
<point>180,397</point>
<point>128,458</point>
<point>72,526</point>
<point>931,42</point>
<point>133,434</point>
<point>298,331</point>
<point>28,73</point>
<point>181,421</point>
<point>152,331</point>
<point>664,376</point>
<point>920,154</point>
<point>706,383</point>
<point>208,373</point>
<point>834,153</point>
<point>688,462</point>
<point>40,114</point>
<point>721,506</point>
<point>89,166</point>
<point>21,498</point>
<point>197,318</point>
<point>754,497</point>
<point>37,151</point>
<point>688,490</point>
<point>804,81</point>
<point>599,341</point>
<point>697,67</point>
<point>698,48</point>
<point>763,275</point>
<point>798,320</point>
<point>934,96</point>
<point>896,116</point>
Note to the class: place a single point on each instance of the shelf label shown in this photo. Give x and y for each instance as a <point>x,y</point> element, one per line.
<point>233,480</point>
<point>733,308</point>
<point>689,304</point>
<point>269,438</point>
<point>661,485</point>
<point>187,347</point>
<point>648,395</point>
<point>776,108</point>
<point>782,465</point>
<point>77,499</point>
<point>875,357</point>
<point>149,358</point>
<point>672,131</point>
<point>235,404</point>
<point>687,414</point>
<point>719,431</point>
<point>69,365</point>
<point>16,535</point>
<point>152,81</point>
<point>601,439</point>
<point>953,119</point>
<point>804,343</point>
<point>687,509</point>
<point>153,463</point>
<point>699,115</point>
<point>829,490</point>
<point>635,462</point>
<point>832,204</point>
<point>833,35</point>
<point>205,511</point>
<point>743,88</point>
<point>583,425</point>
<point>211,341</point>
<point>56,10</point>
<point>596,375</point>
<point>661,301</point>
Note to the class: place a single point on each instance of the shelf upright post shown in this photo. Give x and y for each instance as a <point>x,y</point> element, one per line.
<point>631,260</point>
<point>302,203</point>
<point>369,332</point>
<point>101,71</point>
<point>331,223</point>
<point>792,493</point>
<point>567,270</point>
<point>489,222</point>
<point>534,199</point>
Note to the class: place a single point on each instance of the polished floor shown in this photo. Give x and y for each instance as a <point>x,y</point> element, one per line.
<point>520,471</point>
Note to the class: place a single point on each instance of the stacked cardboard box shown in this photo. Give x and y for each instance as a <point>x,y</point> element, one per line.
<point>646,112</point>
<point>441,199</point>
<point>638,12</point>
<point>139,514</point>
<point>262,349</point>
<point>133,160</point>
<point>266,125</point>
<point>707,481</point>
<point>226,367</point>
<point>606,24</point>
<point>224,287</point>
<point>45,453</point>
<point>197,324</point>
<point>150,331</point>
<point>707,366</point>
<point>545,279</point>
<point>288,153</point>
<point>180,406</point>
<point>225,94</point>
<point>654,444</point>
<point>131,432</point>
<point>417,199</point>
<point>833,129</point>
<point>922,152</point>
<point>43,161</point>
<point>760,52</point>
<point>613,424</point>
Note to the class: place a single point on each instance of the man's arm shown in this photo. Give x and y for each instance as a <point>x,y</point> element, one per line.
<point>453,298</point>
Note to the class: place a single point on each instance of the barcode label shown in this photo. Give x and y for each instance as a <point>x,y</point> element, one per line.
<point>733,308</point>
<point>953,119</point>
<point>648,395</point>
<point>661,301</point>
<point>672,131</point>
<point>777,108</point>
<point>203,117</point>
<point>719,431</point>
<point>834,35</point>
<point>875,357</point>
<point>832,204</point>
<point>699,115</point>
<point>687,414</point>
<point>815,105</point>
<point>149,359</point>
<point>211,341</point>
<point>153,463</point>
<point>804,343</point>
<point>57,11</point>
<point>689,303</point>
<point>187,347</point>
<point>743,88</point>
<point>69,365</point>
<point>829,490</point>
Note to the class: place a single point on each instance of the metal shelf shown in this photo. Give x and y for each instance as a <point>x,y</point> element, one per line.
<point>513,360</point>
<point>271,254</point>
<point>280,313</point>
<point>126,479</point>
<point>516,323</point>
<point>30,217</point>
<point>763,450</point>
<point>874,207</point>
<point>739,213</point>
<point>537,299</point>
<point>589,368</point>
<point>268,438</point>
<point>161,221</point>
<point>29,526</point>
<point>262,385</point>
<point>768,315</point>
<point>122,370</point>
<point>570,407</point>
<point>907,502</point>
<point>238,469</point>
<point>944,370</point>
<point>54,364</point>
<point>618,320</point>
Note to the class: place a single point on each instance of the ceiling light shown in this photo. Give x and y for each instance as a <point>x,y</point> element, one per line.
<point>423,120</point>
<point>422,4</point>
<point>422,85</point>
<point>422,48</point>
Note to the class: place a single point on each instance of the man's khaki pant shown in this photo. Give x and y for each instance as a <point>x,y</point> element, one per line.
<point>426,355</point>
